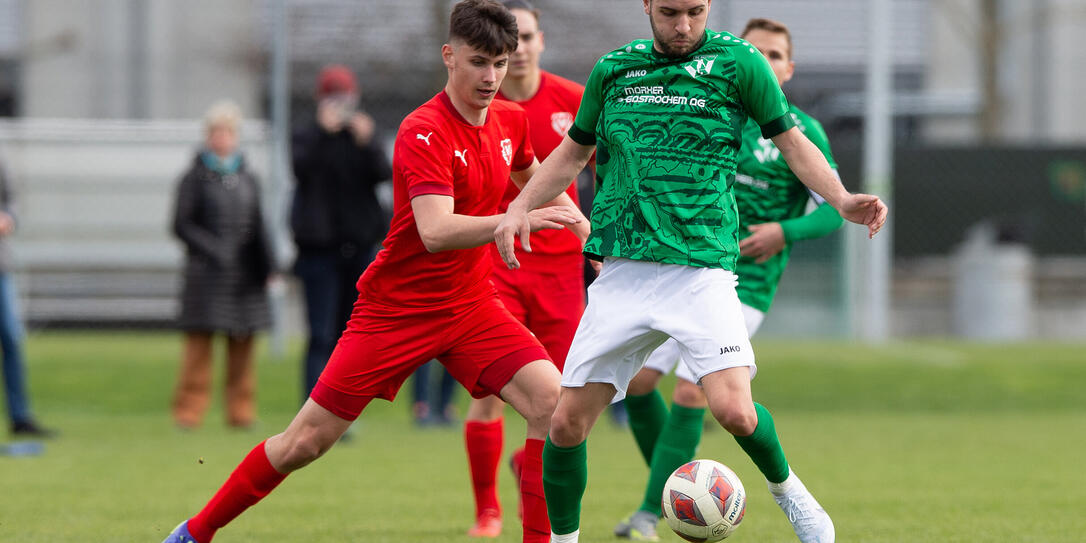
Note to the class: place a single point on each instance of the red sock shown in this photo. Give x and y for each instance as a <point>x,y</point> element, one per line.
<point>537,527</point>
<point>253,479</point>
<point>484,444</point>
<point>516,462</point>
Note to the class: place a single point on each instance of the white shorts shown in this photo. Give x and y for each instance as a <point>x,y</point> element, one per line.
<point>665,357</point>
<point>635,306</point>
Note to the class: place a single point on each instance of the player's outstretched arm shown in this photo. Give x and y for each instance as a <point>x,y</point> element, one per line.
<point>443,230</point>
<point>548,182</point>
<point>580,229</point>
<point>807,162</point>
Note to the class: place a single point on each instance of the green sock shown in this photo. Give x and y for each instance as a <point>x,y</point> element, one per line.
<point>565,475</point>
<point>764,448</point>
<point>678,442</point>
<point>648,413</point>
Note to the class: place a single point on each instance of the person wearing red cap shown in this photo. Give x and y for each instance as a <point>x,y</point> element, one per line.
<point>335,217</point>
<point>336,79</point>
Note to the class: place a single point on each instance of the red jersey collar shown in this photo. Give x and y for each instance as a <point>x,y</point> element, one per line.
<point>444,97</point>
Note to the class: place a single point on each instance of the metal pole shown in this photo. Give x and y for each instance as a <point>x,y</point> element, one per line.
<point>991,41</point>
<point>874,280</point>
<point>280,128</point>
<point>138,96</point>
<point>1041,59</point>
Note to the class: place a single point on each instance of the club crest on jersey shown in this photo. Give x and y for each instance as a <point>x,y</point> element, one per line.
<point>507,151</point>
<point>701,65</point>
<point>561,121</point>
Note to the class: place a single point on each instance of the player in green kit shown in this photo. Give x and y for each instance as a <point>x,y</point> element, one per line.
<point>665,117</point>
<point>772,204</point>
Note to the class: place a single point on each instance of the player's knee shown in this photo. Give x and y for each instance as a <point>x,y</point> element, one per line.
<point>688,394</point>
<point>492,412</point>
<point>738,420</point>
<point>305,447</point>
<point>486,409</point>
<point>643,383</point>
<point>541,408</point>
<point>567,430</point>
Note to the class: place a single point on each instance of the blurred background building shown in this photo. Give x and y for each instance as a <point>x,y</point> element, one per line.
<point>99,102</point>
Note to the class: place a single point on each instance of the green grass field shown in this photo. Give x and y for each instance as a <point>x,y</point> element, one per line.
<point>928,441</point>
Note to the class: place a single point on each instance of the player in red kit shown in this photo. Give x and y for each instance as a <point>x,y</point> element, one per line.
<point>428,294</point>
<point>547,292</point>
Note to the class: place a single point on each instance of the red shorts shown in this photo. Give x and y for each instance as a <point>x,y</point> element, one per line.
<point>548,301</point>
<point>480,343</point>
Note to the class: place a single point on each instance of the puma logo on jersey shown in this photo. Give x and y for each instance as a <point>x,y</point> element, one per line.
<point>425,138</point>
<point>462,155</point>
<point>768,151</point>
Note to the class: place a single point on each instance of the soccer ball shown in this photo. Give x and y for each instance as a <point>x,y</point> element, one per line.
<point>704,501</point>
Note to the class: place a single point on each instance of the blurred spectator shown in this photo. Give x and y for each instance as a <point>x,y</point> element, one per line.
<point>432,408</point>
<point>336,218</point>
<point>11,329</point>
<point>227,266</point>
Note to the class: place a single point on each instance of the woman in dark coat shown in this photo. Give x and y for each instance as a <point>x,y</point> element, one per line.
<point>228,260</point>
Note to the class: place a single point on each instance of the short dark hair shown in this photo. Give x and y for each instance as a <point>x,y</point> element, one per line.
<point>522,4</point>
<point>485,25</point>
<point>769,25</point>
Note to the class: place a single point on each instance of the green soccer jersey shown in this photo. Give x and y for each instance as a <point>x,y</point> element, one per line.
<point>668,133</point>
<point>766,190</point>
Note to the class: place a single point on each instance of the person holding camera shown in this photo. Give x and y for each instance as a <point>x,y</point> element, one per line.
<point>336,218</point>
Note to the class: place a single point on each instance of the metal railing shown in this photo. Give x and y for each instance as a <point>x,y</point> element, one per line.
<point>94,202</point>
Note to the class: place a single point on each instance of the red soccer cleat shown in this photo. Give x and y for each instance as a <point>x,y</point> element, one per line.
<point>487,524</point>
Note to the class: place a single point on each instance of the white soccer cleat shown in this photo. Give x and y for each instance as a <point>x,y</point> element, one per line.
<point>809,520</point>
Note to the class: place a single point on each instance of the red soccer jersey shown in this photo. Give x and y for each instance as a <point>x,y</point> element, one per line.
<point>438,152</point>
<point>550,114</point>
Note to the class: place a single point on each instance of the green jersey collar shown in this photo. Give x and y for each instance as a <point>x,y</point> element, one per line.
<point>660,56</point>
